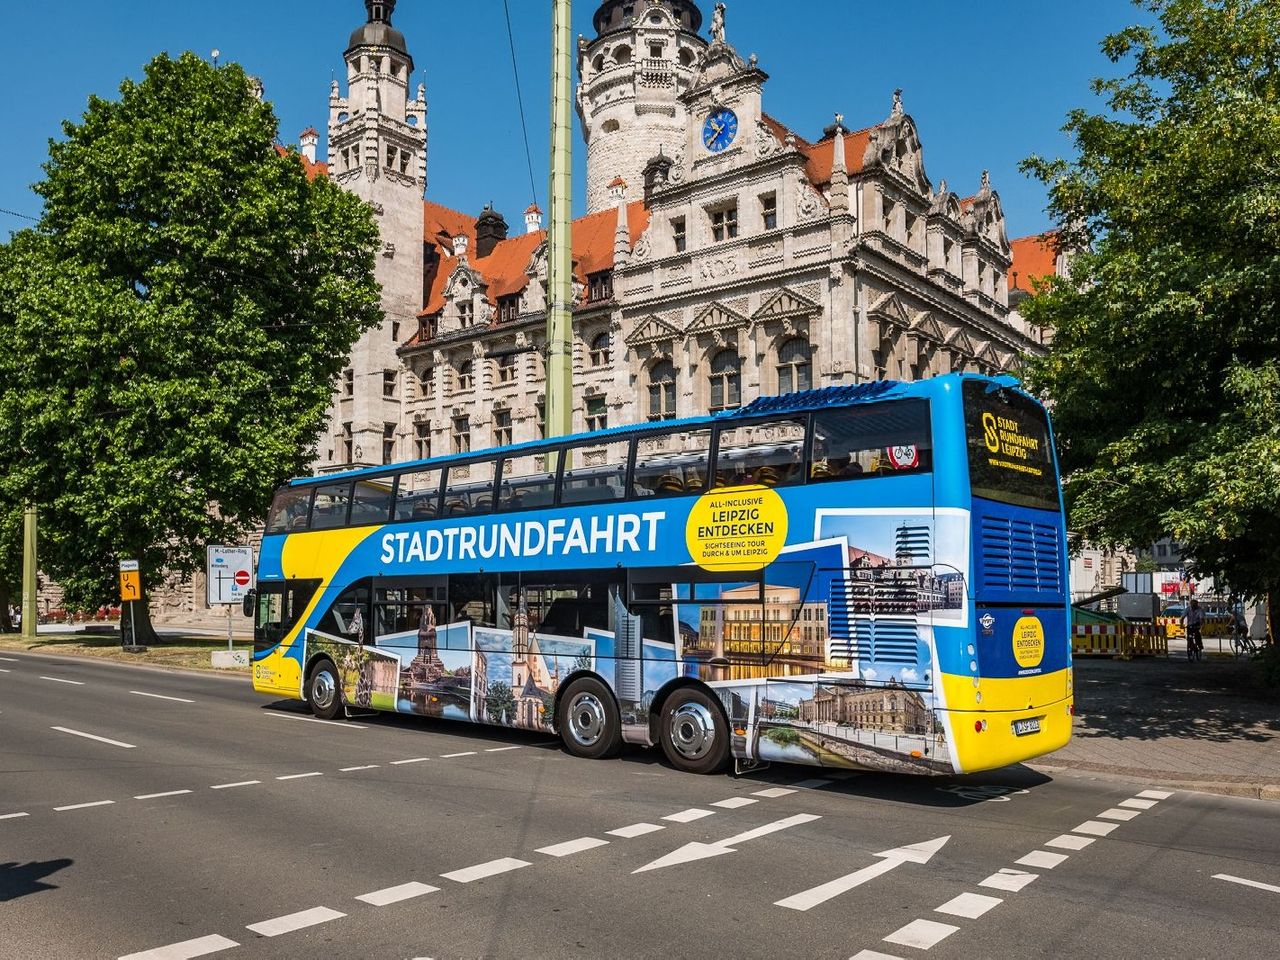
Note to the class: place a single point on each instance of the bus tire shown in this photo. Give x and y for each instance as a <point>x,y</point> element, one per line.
<point>588,720</point>
<point>694,733</point>
<point>324,690</point>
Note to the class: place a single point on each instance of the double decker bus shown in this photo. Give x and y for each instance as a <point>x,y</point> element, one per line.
<point>868,576</point>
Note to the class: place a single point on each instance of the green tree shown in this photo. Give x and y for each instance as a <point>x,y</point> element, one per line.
<point>171,330</point>
<point>1165,366</point>
<point>499,703</point>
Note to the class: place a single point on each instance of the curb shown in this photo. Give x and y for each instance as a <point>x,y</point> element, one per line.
<point>1247,789</point>
<point>154,667</point>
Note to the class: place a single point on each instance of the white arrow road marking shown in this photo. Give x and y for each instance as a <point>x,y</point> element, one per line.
<point>91,736</point>
<point>913,853</point>
<point>701,851</point>
<point>1247,883</point>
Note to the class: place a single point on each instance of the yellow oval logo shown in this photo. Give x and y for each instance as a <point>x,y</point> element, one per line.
<point>738,528</point>
<point>1028,641</point>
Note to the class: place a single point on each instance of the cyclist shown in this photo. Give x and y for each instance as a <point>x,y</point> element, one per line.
<point>1195,621</point>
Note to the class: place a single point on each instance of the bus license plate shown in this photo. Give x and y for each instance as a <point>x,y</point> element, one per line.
<point>1022,727</point>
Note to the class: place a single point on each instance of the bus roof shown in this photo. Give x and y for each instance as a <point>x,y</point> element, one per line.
<point>781,405</point>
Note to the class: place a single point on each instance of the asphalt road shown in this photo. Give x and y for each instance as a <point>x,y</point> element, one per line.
<point>208,821</point>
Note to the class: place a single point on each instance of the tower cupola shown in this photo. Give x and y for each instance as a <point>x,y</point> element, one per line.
<point>378,32</point>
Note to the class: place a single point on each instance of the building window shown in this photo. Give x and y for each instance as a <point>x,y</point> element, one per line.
<point>769,211</point>
<point>600,286</point>
<point>507,368</point>
<point>679,234</point>
<point>655,51</point>
<point>724,223</point>
<point>426,329</point>
<point>388,383</point>
<point>388,443</point>
<point>348,382</point>
<point>794,366</point>
<point>422,440</point>
<point>466,378</point>
<point>597,414</point>
<point>541,407</point>
<point>395,331</point>
<point>726,389</point>
<point>462,434</point>
<point>889,213</point>
<point>601,354</point>
<point>466,313</point>
<point>913,222</point>
<point>346,443</point>
<point>662,391</point>
<point>509,307</point>
<point>428,381</point>
<point>501,428</point>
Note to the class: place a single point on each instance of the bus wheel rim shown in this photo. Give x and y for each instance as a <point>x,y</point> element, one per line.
<point>323,689</point>
<point>693,731</point>
<point>586,719</point>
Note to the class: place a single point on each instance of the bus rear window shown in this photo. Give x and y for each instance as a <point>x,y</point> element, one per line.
<point>1010,454</point>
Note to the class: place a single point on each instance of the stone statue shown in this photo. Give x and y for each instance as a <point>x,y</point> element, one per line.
<point>717,24</point>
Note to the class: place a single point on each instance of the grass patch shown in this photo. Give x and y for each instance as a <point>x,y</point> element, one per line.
<point>189,652</point>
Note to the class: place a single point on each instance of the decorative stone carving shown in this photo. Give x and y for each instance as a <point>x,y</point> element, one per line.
<point>644,246</point>
<point>677,173</point>
<point>766,142</point>
<point>719,268</point>
<point>808,203</point>
<point>389,250</point>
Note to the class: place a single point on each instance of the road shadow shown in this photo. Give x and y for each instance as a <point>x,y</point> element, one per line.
<point>1211,701</point>
<point>512,736</point>
<point>22,879</point>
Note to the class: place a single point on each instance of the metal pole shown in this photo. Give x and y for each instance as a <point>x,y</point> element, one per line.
<point>559,238</point>
<point>29,573</point>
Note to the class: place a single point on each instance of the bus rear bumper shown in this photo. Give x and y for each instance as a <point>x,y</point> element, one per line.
<point>988,739</point>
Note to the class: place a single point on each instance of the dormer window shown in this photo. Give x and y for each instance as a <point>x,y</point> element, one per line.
<point>466,313</point>
<point>426,328</point>
<point>600,286</point>
<point>655,51</point>
<point>509,307</point>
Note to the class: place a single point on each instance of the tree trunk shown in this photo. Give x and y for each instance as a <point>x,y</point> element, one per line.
<point>136,628</point>
<point>6,624</point>
<point>1273,615</point>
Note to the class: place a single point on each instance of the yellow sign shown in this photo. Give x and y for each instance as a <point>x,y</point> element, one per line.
<point>741,528</point>
<point>1028,642</point>
<point>130,580</point>
<point>1004,436</point>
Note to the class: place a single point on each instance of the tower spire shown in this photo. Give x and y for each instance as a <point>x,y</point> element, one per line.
<point>380,11</point>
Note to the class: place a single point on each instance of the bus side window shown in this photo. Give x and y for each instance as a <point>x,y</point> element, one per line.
<point>418,495</point>
<point>682,471</point>
<point>466,494</point>
<point>371,502</point>
<point>289,510</point>
<point>527,482</point>
<point>595,473</point>
<point>330,509</point>
<point>874,439</point>
<point>770,454</point>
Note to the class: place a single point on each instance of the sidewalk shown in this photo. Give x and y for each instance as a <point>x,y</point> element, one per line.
<point>1195,725</point>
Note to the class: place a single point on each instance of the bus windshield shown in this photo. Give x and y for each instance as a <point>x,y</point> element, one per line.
<point>1010,451</point>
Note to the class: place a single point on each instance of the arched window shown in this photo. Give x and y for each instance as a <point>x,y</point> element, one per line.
<point>795,366</point>
<point>622,55</point>
<point>466,378</point>
<point>598,63</point>
<point>662,391</point>
<point>726,380</point>
<point>601,354</point>
<point>686,57</point>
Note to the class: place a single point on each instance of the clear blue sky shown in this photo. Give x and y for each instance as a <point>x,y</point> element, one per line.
<point>987,83</point>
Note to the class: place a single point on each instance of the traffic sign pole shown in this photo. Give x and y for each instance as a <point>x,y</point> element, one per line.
<point>131,593</point>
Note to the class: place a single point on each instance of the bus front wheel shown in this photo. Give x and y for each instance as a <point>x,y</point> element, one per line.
<point>588,720</point>
<point>324,693</point>
<point>695,736</point>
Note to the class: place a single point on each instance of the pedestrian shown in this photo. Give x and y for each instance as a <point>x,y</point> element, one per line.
<point>1195,621</point>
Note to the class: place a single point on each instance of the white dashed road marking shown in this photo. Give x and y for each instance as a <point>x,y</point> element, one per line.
<point>84,806</point>
<point>396,763</point>
<point>78,683</point>
<point>635,830</point>
<point>500,749</point>
<point>161,696</point>
<point>572,846</point>
<point>1138,804</point>
<point>2,670</point>
<point>12,816</point>
<point>969,905</point>
<point>295,921</point>
<point>405,891</point>
<point>1246,882</point>
<point>238,783</point>
<point>921,934</point>
<point>773,792</point>
<point>1095,828</point>
<point>92,736</point>
<point>301,776</point>
<point>482,870</point>
<point>367,766</point>
<point>1156,794</point>
<point>1011,880</point>
<point>464,753</point>
<point>10,659</point>
<point>813,784</point>
<point>1069,842</point>
<point>201,947</point>
<point>733,803</point>
<point>157,796</point>
<point>874,955</point>
<point>333,723</point>
<point>1115,813</point>
<point>686,816</point>
<point>1042,859</point>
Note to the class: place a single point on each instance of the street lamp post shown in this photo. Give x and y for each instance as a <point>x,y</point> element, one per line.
<point>29,573</point>
<point>559,242</point>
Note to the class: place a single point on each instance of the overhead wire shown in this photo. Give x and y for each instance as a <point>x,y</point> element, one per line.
<point>524,126</point>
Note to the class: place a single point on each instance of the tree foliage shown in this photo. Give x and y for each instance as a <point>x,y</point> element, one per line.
<point>1164,371</point>
<point>171,331</point>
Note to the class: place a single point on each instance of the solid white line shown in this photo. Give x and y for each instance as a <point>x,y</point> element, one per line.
<point>686,816</point>
<point>12,816</point>
<point>1156,794</point>
<point>301,776</point>
<point>482,870</point>
<point>733,803</point>
<point>921,934</point>
<point>1011,880</point>
<point>294,921</point>
<point>240,783</point>
<point>635,830</point>
<point>405,891</point>
<point>91,736</point>
<point>1042,859</point>
<point>396,763</point>
<point>157,796</point>
<point>572,846</point>
<point>201,947</point>
<point>464,753</point>
<point>1095,828</point>
<point>1246,882</point>
<point>968,905</point>
<point>367,766</point>
<point>500,749</point>
<point>1069,842</point>
<point>82,806</point>
<point>773,792</point>
<point>333,723</point>
<point>78,683</point>
<point>1115,813</point>
<point>161,696</point>
<point>1138,804</point>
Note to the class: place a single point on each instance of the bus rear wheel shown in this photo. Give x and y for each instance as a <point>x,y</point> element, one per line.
<point>695,736</point>
<point>324,693</point>
<point>588,720</point>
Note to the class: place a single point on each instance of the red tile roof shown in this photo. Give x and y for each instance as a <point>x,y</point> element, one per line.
<point>822,155</point>
<point>313,169</point>
<point>1034,258</point>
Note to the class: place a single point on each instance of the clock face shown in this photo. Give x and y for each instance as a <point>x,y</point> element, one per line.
<point>719,129</point>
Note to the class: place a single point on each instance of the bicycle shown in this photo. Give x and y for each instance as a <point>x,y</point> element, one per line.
<point>1242,644</point>
<point>1195,644</point>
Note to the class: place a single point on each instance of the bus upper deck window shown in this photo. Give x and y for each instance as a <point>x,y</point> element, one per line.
<point>418,495</point>
<point>527,483</point>
<point>371,502</point>
<point>289,510</point>
<point>872,440</point>
<point>769,454</point>
<point>679,466</point>
<point>595,473</point>
<point>330,509</point>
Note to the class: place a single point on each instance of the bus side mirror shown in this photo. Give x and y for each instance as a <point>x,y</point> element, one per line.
<point>250,601</point>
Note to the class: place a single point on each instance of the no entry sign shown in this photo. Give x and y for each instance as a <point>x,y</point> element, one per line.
<point>228,574</point>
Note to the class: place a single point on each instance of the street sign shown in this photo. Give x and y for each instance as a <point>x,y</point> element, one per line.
<point>130,581</point>
<point>228,574</point>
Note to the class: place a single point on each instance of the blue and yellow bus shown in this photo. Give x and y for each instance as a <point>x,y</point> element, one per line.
<point>868,576</point>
